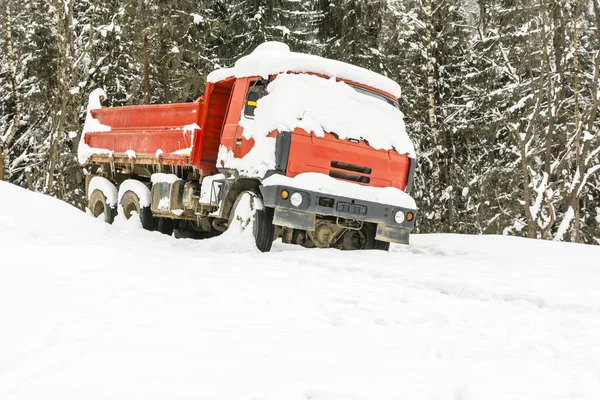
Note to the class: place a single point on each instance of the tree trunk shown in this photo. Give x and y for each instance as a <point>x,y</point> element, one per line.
<point>66,74</point>
<point>146,71</point>
<point>576,203</point>
<point>483,18</point>
<point>549,94</point>
<point>531,227</point>
<point>1,165</point>
<point>145,53</point>
<point>431,108</point>
<point>4,145</point>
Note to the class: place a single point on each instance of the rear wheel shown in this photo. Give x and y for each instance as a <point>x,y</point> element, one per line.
<point>165,226</point>
<point>98,205</point>
<point>249,212</point>
<point>130,204</point>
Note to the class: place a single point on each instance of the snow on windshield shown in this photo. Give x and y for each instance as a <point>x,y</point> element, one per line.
<point>321,105</point>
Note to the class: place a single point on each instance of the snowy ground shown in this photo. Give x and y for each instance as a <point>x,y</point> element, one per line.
<point>91,311</point>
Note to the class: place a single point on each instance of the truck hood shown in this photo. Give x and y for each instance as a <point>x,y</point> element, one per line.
<point>347,160</point>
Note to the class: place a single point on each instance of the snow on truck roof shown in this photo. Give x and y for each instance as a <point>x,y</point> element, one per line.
<point>272,58</point>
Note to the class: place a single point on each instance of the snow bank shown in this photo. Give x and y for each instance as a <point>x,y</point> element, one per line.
<point>84,151</point>
<point>316,105</point>
<point>325,184</point>
<point>272,58</point>
<point>99,311</point>
<point>106,187</point>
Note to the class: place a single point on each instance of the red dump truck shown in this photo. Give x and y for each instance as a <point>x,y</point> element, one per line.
<point>289,145</point>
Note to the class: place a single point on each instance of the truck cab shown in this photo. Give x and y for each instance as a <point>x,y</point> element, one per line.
<point>289,145</point>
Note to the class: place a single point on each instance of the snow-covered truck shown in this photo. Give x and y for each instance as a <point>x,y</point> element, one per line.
<point>290,145</point>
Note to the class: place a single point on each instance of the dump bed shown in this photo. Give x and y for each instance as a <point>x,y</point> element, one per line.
<point>184,134</point>
<point>152,132</point>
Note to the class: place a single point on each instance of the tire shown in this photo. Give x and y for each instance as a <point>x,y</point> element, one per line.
<point>190,234</point>
<point>261,219</point>
<point>379,245</point>
<point>372,243</point>
<point>98,205</point>
<point>165,226</point>
<point>130,203</point>
<point>183,234</point>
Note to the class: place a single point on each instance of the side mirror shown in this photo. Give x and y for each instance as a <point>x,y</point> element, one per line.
<point>251,100</point>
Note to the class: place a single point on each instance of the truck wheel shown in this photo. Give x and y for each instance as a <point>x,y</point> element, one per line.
<point>379,245</point>
<point>372,243</point>
<point>356,240</point>
<point>98,205</point>
<point>249,209</point>
<point>191,234</point>
<point>130,203</point>
<point>165,226</point>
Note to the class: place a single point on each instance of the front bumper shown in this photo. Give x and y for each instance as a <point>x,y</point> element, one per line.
<point>314,203</point>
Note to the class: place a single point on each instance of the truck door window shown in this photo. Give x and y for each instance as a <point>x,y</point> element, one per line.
<point>257,90</point>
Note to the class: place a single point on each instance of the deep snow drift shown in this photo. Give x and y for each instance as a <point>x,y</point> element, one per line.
<point>91,311</point>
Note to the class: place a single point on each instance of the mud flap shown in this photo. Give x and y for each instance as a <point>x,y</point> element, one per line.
<point>392,234</point>
<point>160,191</point>
<point>294,219</point>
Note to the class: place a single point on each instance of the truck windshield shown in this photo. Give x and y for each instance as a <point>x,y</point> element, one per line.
<point>376,95</point>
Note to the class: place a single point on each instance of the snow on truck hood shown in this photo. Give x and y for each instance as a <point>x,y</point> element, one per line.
<point>271,58</point>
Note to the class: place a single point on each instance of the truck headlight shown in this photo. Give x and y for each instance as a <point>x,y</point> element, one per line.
<point>296,199</point>
<point>399,217</point>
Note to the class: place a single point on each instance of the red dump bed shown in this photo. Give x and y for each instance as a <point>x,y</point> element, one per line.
<point>146,129</point>
<point>187,134</point>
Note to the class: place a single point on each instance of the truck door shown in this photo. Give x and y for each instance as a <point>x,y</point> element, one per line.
<point>246,93</point>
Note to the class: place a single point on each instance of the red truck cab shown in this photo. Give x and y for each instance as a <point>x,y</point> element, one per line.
<point>313,150</point>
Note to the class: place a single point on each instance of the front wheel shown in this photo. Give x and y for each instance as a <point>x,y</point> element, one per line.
<point>249,212</point>
<point>379,245</point>
<point>375,244</point>
<point>363,239</point>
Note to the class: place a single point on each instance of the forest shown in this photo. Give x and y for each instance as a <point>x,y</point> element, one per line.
<point>501,97</point>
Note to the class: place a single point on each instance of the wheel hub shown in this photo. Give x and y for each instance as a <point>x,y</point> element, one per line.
<point>323,234</point>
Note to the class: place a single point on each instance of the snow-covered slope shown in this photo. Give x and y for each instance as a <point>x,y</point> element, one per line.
<point>91,311</point>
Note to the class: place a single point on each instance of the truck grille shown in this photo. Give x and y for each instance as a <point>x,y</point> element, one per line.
<point>351,167</point>
<point>348,175</point>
